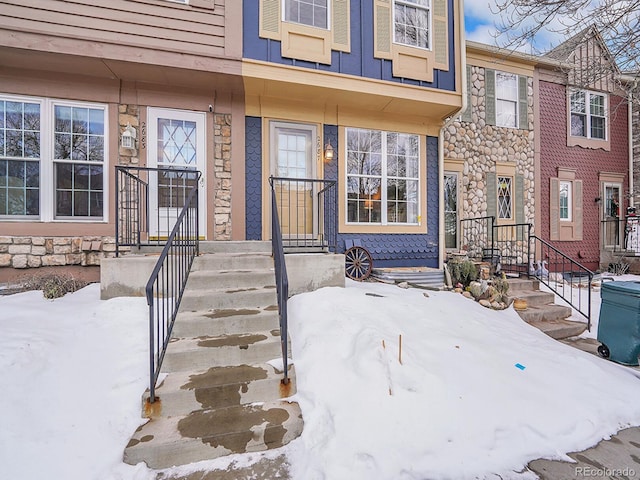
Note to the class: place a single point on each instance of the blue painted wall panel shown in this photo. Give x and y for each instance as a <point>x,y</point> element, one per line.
<point>359,62</point>
<point>398,250</point>
<point>253,178</point>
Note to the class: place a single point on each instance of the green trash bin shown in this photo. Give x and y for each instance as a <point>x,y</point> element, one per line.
<point>619,322</point>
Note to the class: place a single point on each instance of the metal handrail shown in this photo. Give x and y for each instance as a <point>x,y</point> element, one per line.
<point>132,206</point>
<point>317,211</point>
<point>518,252</point>
<point>282,280</point>
<point>559,263</point>
<point>168,280</point>
<point>511,241</point>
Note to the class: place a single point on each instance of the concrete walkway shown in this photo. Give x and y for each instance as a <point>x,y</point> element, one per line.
<point>615,459</point>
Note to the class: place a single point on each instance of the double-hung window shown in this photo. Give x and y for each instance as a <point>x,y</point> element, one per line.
<point>588,115</point>
<point>506,100</point>
<point>314,13</point>
<point>20,156</point>
<point>383,182</point>
<point>52,160</point>
<point>411,22</point>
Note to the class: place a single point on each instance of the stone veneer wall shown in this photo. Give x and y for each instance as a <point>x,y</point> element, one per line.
<point>222,169</point>
<point>481,145</point>
<point>34,252</point>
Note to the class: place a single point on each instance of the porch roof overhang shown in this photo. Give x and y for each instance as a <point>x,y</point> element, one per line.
<point>195,75</point>
<point>337,92</point>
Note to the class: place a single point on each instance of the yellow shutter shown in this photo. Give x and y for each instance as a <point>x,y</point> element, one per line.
<point>440,35</point>
<point>341,25</point>
<point>270,19</point>
<point>382,29</point>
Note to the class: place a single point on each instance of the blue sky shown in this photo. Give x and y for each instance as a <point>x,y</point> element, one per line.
<point>480,25</point>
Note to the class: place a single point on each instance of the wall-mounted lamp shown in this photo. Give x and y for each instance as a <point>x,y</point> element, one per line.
<point>328,152</point>
<point>128,137</point>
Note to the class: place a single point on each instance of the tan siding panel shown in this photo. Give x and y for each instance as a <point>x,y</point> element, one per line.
<point>119,26</point>
<point>124,39</point>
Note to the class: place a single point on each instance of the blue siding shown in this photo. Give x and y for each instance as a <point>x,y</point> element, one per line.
<point>360,62</point>
<point>399,250</point>
<point>253,178</point>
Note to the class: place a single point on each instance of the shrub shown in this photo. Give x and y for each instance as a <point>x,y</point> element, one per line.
<point>55,285</point>
<point>462,271</point>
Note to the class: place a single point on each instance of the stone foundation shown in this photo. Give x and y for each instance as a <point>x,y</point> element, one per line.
<point>35,252</point>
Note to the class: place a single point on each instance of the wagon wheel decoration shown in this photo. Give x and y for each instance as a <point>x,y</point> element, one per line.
<point>358,263</point>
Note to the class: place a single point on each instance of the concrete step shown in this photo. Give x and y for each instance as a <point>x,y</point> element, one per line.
<point>206,434</point>
<point>534,298</point>
<point>522,284</point>
<point>225,321</point>
<point>230,279</point>
<point>220,387</point>
<point>233,246</point>
<point>247,297</point>
<point>550,312</point>
<point>560,329</point>
<point>196,354</point>
<point>233,261</point>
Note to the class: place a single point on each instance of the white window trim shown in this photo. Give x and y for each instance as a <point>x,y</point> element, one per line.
<point>283,8</point>
<point>569,200</point>
<point>275,126</point>
<point>588,115</point>
<point>383,189</point>
<point>429,10</point>
<point>47,188</point>
<point>517,100</point>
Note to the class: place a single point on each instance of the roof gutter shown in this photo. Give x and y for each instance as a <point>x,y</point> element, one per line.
<point>447,122</point>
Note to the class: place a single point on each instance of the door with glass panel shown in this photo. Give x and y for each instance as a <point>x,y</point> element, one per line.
<point>611,207</point>
<point>176,143</point>
<point>451,210</point>
<point>293,161</point>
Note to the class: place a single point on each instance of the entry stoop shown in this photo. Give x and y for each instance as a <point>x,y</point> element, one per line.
<point>222,391</point>
<point>541,310</point>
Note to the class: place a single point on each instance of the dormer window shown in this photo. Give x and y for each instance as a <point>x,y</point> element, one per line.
<point>314,13</point>
<point>411,22</point>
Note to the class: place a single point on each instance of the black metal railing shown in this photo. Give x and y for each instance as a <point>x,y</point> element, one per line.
<point>282,279</point>
<point>565,277</point>
<point>621,235</point>
<point>132,200</point>
<point>138,223</point>
<point>476,235</point>
<point>511,243</point>
<point>513,249</point>
<point>168,280</point>
<point>308,213</point>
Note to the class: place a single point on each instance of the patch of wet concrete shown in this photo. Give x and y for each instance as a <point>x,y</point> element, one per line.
<point>223,386</point>
<point>232,428</point>
<point>237,340</point>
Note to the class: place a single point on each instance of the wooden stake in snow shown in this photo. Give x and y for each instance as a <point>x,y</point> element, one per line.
<point>384,350</point>
<point>400,349</point>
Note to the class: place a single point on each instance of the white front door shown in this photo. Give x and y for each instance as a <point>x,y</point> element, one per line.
<point>293,157</point>
<point>176,141</point>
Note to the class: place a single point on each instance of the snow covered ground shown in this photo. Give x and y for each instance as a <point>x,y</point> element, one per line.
<point>473,393</point>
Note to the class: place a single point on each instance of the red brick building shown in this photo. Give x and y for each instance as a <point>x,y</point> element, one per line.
<point>583,152</point>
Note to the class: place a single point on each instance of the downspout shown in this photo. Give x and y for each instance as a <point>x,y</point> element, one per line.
<point>447,122</point>
<point>630,134</point>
